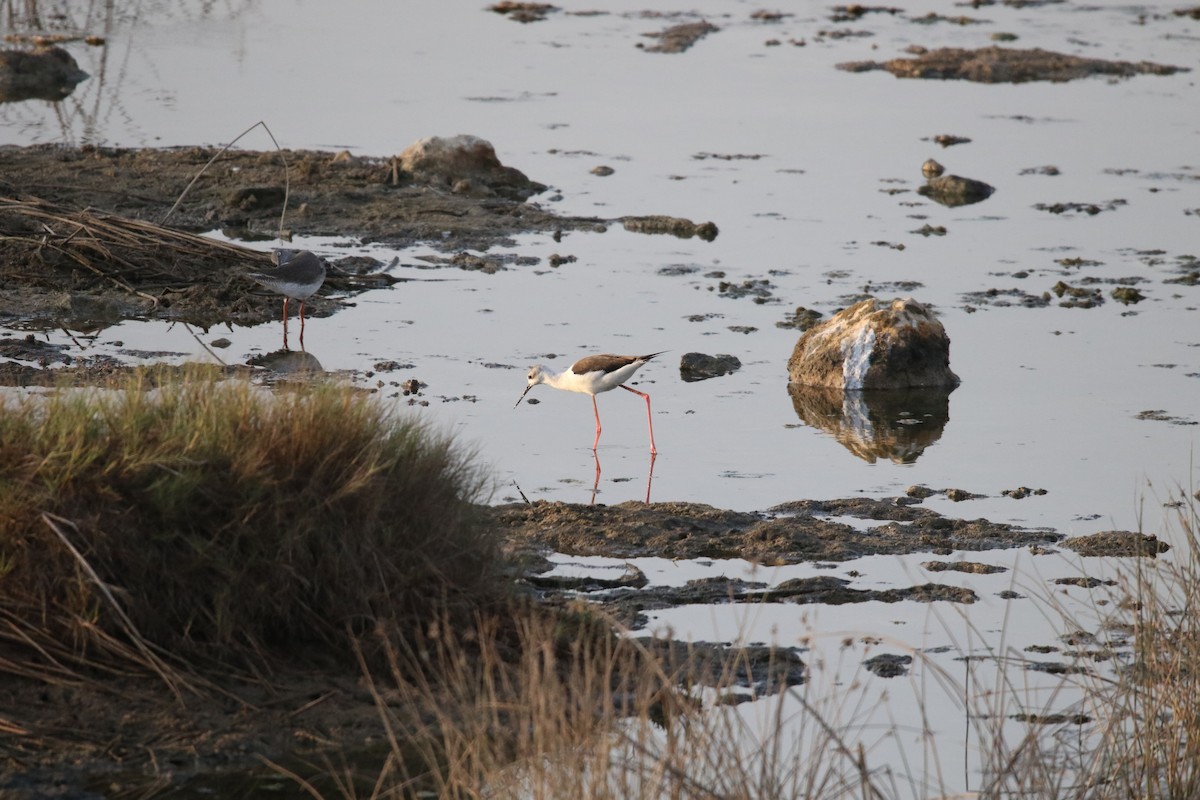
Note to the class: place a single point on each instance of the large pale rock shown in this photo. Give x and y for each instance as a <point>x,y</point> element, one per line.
<point>900,345</point>
<point>466,165</point>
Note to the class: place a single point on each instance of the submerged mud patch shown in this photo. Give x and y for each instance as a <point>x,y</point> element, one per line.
<point>1006,65</point>
<point>790,533</point>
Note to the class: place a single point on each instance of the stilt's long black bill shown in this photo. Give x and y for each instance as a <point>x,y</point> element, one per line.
<point>522,397</point>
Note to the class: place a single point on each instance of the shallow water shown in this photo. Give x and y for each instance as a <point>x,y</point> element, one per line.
<point>820,189</point>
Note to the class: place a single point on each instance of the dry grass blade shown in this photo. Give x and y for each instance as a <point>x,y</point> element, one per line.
<point>219,153</point>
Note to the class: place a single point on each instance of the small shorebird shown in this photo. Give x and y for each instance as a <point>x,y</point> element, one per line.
<point>593,375</point>
<point>298,276</point>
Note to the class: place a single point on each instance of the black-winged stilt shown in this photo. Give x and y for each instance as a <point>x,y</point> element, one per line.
<point>593,375</point>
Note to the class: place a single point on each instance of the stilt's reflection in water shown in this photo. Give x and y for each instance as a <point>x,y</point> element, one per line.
<point>649,477</point>
<point>897,425</point>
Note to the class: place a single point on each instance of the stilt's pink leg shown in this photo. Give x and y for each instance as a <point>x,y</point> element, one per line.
<point>596,483</point>
<point>301,324</point>
<point>597,410</point>
<point>650,477</point>
<point>649,419</point>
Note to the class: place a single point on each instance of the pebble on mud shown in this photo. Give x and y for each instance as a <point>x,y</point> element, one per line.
<point>253,198</point>
<point>700,366</point>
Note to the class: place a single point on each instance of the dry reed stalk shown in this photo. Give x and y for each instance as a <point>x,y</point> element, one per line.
<point>122,251</point>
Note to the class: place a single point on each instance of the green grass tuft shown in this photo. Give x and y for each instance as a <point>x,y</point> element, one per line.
<point>218,519</point>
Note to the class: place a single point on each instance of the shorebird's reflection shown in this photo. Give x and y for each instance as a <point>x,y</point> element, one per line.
<point>649,477</point>
<point>288,362</point>
<point>897,425</point>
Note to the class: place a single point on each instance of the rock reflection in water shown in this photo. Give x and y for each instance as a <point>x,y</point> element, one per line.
<point>897,425</point>
<point>45,73</point>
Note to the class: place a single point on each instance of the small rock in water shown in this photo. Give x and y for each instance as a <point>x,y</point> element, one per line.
<point>675,226</point>
<point>888,665</point>
<point>802,320</point>
<point>1127,295</point>
<point>700,366</point>
<point>954,190</point>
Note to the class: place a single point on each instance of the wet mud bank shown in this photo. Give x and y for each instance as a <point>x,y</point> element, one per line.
<point>92,235</point>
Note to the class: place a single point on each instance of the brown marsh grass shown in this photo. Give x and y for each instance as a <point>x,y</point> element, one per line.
<point>1147,742</point>
<point>568,709</point>
<point>216,519</point>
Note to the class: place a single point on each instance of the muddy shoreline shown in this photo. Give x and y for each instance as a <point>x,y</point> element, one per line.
<point>48,279</point>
